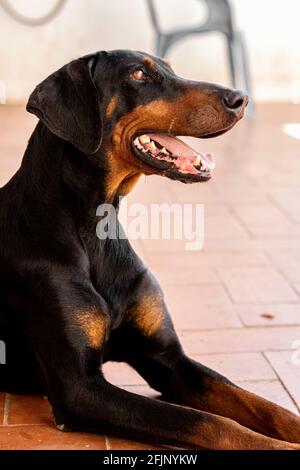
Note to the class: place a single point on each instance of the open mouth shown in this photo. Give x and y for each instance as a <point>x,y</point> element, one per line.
<point>173,157</point>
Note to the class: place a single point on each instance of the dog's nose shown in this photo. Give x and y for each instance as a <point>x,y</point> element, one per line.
<point>235,100</point>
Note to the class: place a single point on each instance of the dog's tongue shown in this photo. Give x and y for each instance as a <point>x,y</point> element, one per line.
<point>180,149</point>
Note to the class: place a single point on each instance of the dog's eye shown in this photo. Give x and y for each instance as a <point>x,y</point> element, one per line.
<point>139,75</point>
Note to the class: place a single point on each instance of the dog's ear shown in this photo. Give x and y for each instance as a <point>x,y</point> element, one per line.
<point>67,102</point>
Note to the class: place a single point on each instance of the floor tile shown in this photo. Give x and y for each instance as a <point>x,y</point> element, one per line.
<point>120,373</point>
<point>239,366</point>
<point>286,229</point>
<point>208,259</point>
<point>287,367</point>
<point>271,390</point>
<point>258,213</point>
<point>29,409</point>
<point>47,438</point>
<point>253,245</point>
<point>200,307</point>
<point>143,390</point>
<point>288,262</point>
<point>289,200</point>
<point>270,314</point>
<point>2,401</point>
<point>185,275</point>
<point>297,288</point>
<point>240,340</point>
<point>122,444</point>
<point>262,284</point>
<point>188,315</point>
<point>223,227</point>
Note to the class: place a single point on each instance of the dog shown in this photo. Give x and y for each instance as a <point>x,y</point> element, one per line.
<point>69,301</point>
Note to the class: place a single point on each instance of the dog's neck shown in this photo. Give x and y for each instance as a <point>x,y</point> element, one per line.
<point>53,170</point>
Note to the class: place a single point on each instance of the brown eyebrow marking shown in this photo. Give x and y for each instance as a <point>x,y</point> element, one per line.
<point>94,325</point>
<point>111,106</point>
<point>147,315</point>
<point>148,61</point>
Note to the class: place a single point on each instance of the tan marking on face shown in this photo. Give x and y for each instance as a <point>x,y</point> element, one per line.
<point>111,106</point>
<point>125,168</point>
<point>154,115</point>
<point>148,315</point>
<point>194,112</point>
<point>94,325</point>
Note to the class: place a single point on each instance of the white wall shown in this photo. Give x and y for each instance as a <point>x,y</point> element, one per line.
<point>271,27</point>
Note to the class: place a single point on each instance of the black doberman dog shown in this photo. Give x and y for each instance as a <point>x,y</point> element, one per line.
<point>70,301</point>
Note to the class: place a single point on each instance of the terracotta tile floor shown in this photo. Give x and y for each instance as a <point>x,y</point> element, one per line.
<point>236,304</point>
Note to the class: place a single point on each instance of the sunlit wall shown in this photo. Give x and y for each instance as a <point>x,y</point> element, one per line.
<point>271,28</point>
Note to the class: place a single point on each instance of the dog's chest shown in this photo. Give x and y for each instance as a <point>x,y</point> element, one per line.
<point>115,270</point>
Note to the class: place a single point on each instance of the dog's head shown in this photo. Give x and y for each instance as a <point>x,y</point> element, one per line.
<point>129,107</point>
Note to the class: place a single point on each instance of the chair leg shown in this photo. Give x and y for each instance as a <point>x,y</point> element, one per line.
<point>159,45</point>
<point>232,60</point>
<point>163,43</point>
<point>239,70</point>
<point>246,73</point>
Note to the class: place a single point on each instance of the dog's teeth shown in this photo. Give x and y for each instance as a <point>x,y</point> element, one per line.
<point>144,139</point>
<point>153,149</point>
<point>165,151</point>
<point>136,142</point>
<point>197,161</point>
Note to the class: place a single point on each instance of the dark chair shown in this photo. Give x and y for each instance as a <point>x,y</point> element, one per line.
<point>219,19</point>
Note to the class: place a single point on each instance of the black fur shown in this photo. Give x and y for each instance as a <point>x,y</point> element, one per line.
<point>52,265</point>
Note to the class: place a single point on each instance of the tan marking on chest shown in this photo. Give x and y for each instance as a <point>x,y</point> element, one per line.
<point>94,325</point>
<point>148,315</point>
<point>121,178</point>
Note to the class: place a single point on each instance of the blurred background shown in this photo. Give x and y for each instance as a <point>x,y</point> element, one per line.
<point>270,28</point>
<point>236,303</point>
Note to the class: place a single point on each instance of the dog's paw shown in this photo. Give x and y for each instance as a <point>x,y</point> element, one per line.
<point>62,427</point>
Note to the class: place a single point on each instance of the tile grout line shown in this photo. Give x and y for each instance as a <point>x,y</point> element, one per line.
<point>249,328</point>
<point>280,270</point>
<point>6,409</point>
<point>239,328</point>
<point>143,385</point>
<point>281,381</point>
<point>280,208</point>
<point>240,221</point>
<point>24,425</point>
<point>107,443</point>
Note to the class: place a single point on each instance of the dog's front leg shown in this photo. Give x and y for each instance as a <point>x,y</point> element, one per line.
<point>202,388</point>
<point>155,352</point>
<point>68,341</point>
<point>95,405</point>
<point>186,382</point>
